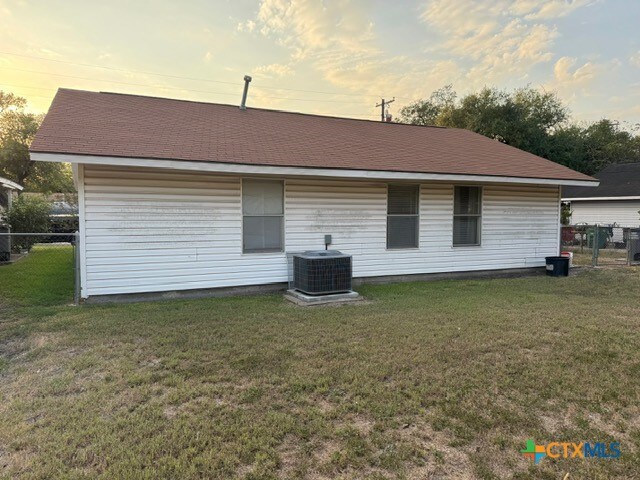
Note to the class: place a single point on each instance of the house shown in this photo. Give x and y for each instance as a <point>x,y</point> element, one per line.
<point>615,202</point>
<point>7,191</point>
<point>178,195</point>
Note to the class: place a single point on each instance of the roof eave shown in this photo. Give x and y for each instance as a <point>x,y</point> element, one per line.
<point>10,185</point>
<point>598,199</point>
<point>252,169</point>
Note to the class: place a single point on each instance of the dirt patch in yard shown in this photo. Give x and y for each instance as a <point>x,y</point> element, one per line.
<point>440,459</point>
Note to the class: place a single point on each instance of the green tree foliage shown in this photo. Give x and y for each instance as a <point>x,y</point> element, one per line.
<point>605,143</point>
<point>565,214</point>
<point>534,121</point>
<point>28,214</point>
<point>17,130</point>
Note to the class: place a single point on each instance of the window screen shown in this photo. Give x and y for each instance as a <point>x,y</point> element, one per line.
<point>403,216</point>
<point>467,216</point>
<point>262,216</point>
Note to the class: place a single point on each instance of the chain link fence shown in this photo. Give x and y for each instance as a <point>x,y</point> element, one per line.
<point>39,268</point>
<point>601,245</point>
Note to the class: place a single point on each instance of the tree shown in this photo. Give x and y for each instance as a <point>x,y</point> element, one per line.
<point>606,143</point>
<point>534,121</point>
<point>427,112</point>
<point>523,118</point>
<point>28,214</point>
<point>567,147</point>
<point>17,130</point>
<point>565,214</point>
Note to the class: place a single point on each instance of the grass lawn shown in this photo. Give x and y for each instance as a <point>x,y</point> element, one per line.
<point>425,380</point>
<point>584,256</point>
<point>44,276</point>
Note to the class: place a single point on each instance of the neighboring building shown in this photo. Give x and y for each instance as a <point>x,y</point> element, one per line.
<point>178,195</point>
<point>64,216</point>
<point>7,190</point>
<point>615,202</point>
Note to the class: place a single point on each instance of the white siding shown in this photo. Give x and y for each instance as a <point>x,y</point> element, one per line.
<point>623,213</point>
<point>155,230</point>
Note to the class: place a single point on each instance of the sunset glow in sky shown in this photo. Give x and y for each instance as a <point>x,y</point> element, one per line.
<point>328,57</point>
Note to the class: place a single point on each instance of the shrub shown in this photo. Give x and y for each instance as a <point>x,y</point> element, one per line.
<point>28,214</point>
<point>565,214</point>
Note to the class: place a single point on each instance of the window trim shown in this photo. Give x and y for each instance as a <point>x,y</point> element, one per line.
<point>478,215</point>
<point>417,215</point>
<point>242,216</point>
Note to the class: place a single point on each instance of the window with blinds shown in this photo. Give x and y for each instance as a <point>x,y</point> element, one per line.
<point>403,216</point>
<point>262,216</point>
<point>467,216</point>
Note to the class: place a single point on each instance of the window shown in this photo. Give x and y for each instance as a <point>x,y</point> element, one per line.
<point>402,216</point>
<point>262,216</point>
<point>467,216</point>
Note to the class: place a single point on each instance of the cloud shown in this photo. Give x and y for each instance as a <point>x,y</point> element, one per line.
<point>207,57</point>
<point>338,40</point>
<point>635,59</point>
<point>566,75</point>
<point>479,42</point>
<point>247,26</point>
<point>335,39</point>
<point>500,38</point>
<point>274,70</point>
<point>546,10</point>
<point>308,26</point>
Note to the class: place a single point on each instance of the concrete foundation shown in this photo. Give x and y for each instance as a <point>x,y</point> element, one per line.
<point>305,300</point>
<point>282,286</point>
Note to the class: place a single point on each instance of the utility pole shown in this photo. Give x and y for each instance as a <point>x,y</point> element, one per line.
<point>383,104</point>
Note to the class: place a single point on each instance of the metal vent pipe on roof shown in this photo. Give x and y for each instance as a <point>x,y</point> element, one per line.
<point>243,104</point>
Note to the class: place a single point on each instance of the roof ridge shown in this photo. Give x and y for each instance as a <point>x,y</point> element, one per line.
<point>202,102</point>
<point>619,165</point>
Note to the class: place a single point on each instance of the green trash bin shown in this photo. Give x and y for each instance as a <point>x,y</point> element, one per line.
<point>604,233</point>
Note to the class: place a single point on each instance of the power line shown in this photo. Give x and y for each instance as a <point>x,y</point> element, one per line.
<point>49,97</point>
<point>383,111</point>
<point>168,87</point>
<point>117,81</point>
<point>92,65</point>
<point>27,86</point>
<point>117,69</point>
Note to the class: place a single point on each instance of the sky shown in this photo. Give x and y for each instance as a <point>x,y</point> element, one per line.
<point>332,57</point>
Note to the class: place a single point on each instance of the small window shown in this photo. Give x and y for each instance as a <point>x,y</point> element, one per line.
<point>467,216</point>
<point>402,216</point>
<point>262,216</point>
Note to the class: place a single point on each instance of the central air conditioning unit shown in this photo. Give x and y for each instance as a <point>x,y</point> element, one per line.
<point>322,272</point>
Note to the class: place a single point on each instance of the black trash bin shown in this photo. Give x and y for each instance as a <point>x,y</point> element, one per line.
<point>5,244</point>
<point>557,266</point>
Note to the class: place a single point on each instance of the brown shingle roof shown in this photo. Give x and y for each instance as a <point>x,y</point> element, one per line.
<point>107,124</point>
